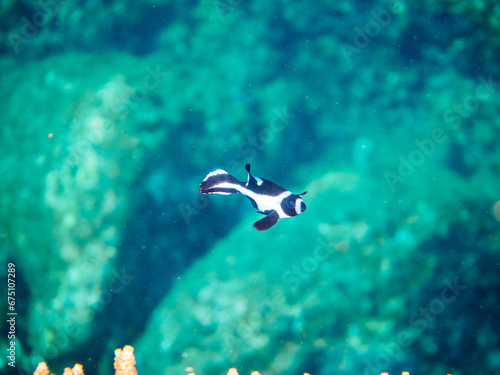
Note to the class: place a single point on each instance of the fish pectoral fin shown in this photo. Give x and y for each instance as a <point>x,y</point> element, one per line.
<point>260,212</point>
<point>267,222</point>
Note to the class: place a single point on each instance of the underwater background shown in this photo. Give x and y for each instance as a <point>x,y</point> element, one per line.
<point>386,112</point>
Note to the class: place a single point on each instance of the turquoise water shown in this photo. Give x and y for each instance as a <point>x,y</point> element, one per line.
<point>387,113</point>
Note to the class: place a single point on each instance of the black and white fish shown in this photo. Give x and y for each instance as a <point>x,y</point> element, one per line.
<point>267,197</point>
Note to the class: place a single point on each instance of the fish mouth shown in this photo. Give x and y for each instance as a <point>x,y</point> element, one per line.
<point>299,208</point>
<point>302,207</point>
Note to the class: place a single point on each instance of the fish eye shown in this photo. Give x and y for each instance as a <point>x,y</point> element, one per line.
<point>291,204</point>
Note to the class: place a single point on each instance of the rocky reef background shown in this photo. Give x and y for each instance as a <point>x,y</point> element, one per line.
<point>388,113</point>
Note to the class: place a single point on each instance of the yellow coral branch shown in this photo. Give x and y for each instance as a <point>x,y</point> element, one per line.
<point>41,369</point>
<point>77,370</point>
<point>125,361</point>
<point>124,365</point>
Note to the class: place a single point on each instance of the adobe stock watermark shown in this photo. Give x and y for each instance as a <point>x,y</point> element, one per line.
<point>390,353</point>
<point>302,271</point>
<point>31,26</point>
<point>379,20</point>
<point>76,154</point>
<point>67,335</point>
<point>249,148</point>
<point>263,309</point>
<point>253,322</point>
<point>222,7</point>
<point>454,116</point>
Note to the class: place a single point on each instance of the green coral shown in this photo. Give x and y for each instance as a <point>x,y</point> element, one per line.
<point>336,286</point>
<point>63,211</point>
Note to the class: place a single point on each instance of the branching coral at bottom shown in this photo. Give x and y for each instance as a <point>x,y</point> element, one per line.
<point>125,361</point>
<point>124,365</point>
<point>42,369</point>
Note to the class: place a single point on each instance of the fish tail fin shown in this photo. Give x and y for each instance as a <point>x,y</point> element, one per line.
<point>220,182</point>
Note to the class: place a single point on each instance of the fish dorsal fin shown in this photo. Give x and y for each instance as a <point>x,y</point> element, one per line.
<point>251,179</point>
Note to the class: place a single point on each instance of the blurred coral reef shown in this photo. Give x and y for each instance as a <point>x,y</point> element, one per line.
<point>386,112</point>
<point>69,217</point>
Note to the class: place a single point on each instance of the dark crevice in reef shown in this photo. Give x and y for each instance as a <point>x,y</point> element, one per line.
<point>158,245</point>
<point>454,289</point>
<point>457,160</point>
<point>135,30</point>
